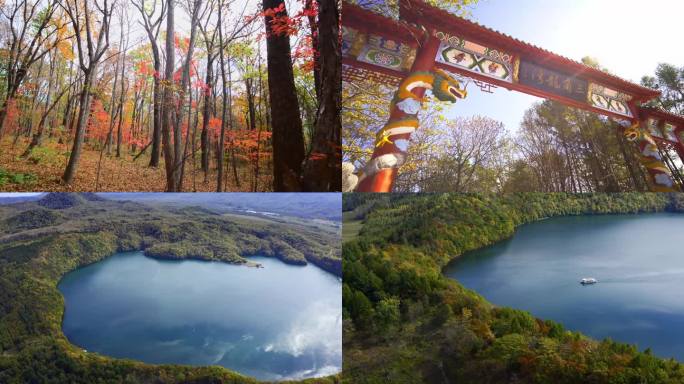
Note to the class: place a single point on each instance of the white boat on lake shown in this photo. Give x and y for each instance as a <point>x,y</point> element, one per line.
<point>588,280</point>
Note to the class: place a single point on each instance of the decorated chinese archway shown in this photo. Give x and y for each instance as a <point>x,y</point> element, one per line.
<point>427,48</point>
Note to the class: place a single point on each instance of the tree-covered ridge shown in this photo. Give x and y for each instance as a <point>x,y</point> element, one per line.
<point>191,232</point>
<point>32,261</point>
<point>406,323</point>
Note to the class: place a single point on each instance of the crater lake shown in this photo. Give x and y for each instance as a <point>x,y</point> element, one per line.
<point>272,323</point>
<point>637,259</point>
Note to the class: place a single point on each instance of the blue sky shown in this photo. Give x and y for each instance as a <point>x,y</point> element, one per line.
<point>629,37</point>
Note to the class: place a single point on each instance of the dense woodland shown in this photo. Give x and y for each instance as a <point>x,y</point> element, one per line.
<point>40,241</point>
<point>554,149</point>
<point>404,322</point>
<point>175,95</point>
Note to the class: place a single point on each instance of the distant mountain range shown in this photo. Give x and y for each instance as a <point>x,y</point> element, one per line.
<point>305,205</point>
<point>12,198</point>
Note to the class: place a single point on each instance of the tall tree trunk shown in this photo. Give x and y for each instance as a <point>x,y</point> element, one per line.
<point>224,93</point>
<point>66,121</point>
<point>313,26</point>
<point>323,171</point>
<point>119,132</point>
<point>206,115</point>
<point>230,123</point>
<point>288,138</point>
<point>49,91</point>
<point>113,108</point>
<point>169,152</point>
<point>261,124</point>
<point>83,115</point>
<point>179,148</point>
<point>157,117</point>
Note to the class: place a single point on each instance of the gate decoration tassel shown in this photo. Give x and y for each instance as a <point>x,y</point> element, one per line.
<point>651,159</point>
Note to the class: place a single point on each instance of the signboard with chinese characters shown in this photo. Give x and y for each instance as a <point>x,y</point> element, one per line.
<point>609,99</point>
<point>459,53</point>
<point>551,81</point>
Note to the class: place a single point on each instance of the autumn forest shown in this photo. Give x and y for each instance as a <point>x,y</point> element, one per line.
<point>169,95</point>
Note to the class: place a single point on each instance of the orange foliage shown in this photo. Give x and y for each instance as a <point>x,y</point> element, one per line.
<point>246,143</point>
<point>98,123</point>
<point>12,118</point>
<point>283,24</point>
<point>214,127</point>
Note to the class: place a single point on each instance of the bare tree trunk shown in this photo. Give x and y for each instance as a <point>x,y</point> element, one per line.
<point>152,29</point>
<point>323,171</point>
<point>156,120</point>
<point>83,114</point>
<point>220,155</point>
<point>288,138</point>
<point>261,123</point>
<point>169,152</point>
<point>230,123</point>
<point>119,133</point>
<point>92,56</point>
<point>206,116</point>
<point>313,26</point>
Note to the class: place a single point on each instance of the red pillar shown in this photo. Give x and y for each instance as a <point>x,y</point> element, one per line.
<point>383,180</point>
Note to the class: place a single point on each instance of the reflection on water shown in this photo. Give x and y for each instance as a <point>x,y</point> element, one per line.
<point>273,323</point>
<point>637,259</point>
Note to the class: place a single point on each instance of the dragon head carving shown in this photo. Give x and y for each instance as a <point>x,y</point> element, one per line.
<point>446,88</point>
<point>633,133</point>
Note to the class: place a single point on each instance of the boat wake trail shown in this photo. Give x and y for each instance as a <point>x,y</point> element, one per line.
<point>646,277</point>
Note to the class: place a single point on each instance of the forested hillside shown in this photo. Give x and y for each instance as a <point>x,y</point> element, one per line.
<point>166,95</point>
<point>41,241</point>
<point>406,323</point>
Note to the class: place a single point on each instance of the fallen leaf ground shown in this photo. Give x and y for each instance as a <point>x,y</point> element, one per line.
<point>46,166</point>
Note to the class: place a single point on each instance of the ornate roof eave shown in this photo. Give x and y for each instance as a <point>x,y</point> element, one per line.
<point>659,113</point>
<point>418,12</point>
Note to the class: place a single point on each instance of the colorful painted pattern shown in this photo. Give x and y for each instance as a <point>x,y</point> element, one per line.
<point>460,53</point>
<point>609,99</point>
<point>651,159</point>
<point>376,50</point>
<point>386,53</point>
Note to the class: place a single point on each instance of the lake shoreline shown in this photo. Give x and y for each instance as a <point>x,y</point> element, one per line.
<point>476,269</point>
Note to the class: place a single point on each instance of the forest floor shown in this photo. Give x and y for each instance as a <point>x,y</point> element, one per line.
<point>42,172</point>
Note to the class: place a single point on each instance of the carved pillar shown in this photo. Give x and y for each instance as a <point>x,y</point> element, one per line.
<point>387,157</point>
<point>659,174</point>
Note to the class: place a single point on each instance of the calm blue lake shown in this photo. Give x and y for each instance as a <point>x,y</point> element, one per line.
<point>638,260</point>
<point>274,323</point>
